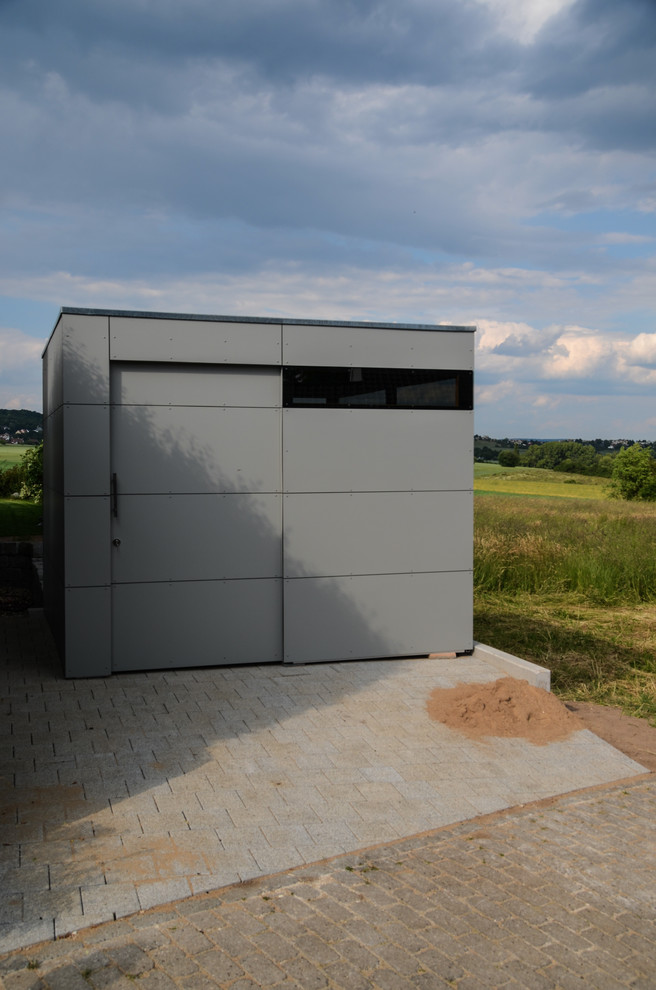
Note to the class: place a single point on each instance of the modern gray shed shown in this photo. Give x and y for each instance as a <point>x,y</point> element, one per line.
<point>228,490</point>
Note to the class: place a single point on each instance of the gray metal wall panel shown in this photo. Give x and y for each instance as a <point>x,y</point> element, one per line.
<point>88,632</point>
<point>200,623</point>
<point>197,537</point>
<point>86,450</point>
<point>376,616</point>
<point>143,339</point>
<point>146,384</point>
<point>87,549</point>
<point>200,450</point>
<point>77,368</point>
<point>196,449</point>
<point>332,450</point>
<point>53,511</point>
<point>53,564</point>
<point>377,533</point>
<point>372,347</point>
<point>53,391</point>
<point>53,451</point>
<point>85,355</point>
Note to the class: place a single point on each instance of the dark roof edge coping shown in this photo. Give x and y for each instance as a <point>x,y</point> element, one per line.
<point>145,314</point>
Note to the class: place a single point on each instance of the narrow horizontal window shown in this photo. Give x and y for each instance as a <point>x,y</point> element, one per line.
<point>377,388</point>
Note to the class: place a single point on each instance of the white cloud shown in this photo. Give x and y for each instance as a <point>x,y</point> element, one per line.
<point>598,360</point>
<point>20,369</point>
<point>18,350</point>
<point>579,353</point>
<point>619,237</point>
<point>428,294</point>
<point>523,19</point>
<point>642,350</point>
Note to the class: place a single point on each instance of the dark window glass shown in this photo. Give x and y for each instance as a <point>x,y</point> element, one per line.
<point>373,388</point>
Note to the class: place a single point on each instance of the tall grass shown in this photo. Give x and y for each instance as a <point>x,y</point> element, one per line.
<point>19,520</point>
<point>603,551</point>
<point>571,585</point>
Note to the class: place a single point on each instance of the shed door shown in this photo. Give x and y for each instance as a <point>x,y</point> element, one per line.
<point>196,515</point>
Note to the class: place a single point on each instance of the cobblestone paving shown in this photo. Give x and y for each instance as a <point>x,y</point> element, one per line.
<point>121,793</point>
<point>558,894</point>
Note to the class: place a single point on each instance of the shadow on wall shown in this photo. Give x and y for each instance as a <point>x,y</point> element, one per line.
<point>113,750</point>
<point>197,574</point>
<point>224,526</point>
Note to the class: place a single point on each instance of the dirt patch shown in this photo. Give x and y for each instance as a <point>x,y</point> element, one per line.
<point>633,736</point>
<point>508,707</point>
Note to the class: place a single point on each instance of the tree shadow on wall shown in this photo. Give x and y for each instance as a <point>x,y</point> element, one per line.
<point>139,736</point>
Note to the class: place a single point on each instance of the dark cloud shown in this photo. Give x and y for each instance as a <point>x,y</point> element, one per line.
<point>525,345</point>
<point>352,40</point>
<point>593,44</point>
<point>162,135</point>
<point>592,74</point>
<point>578,78</point>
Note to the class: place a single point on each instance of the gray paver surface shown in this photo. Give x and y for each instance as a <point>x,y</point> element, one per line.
<point>123,793</point>
<point>559,894</point>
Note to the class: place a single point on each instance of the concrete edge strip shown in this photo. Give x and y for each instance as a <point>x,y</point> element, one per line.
<point>514,666</point>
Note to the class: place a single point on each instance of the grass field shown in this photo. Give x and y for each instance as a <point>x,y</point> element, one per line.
<point>20,520</point>
<point>10,455</point>
<point>570,584</point>
<point>493,479</point>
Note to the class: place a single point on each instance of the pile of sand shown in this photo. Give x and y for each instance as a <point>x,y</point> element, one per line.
<point>508,707</point>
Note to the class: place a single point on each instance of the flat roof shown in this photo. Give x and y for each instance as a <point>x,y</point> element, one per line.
<point>381,325</point>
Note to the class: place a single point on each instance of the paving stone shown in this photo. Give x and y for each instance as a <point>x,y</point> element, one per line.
<point>274,946</point>
<point>219,965</point>
<point>130,958</point>
<point>66,978</point>
<point>190,940</point>
<point>342,974</point>
<point>305,974</point>
<point>23,980</point>
<point>431,981</point>
<point>173,961</point>
<point>357,954</point>
<point>201,981</point>
<point>157,980</point>
<point>398,959</point>
<point>534,897</point>
<point>388,979</point>
<point>263,971</point>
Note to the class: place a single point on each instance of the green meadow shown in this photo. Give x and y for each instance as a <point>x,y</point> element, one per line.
<point>10,454</point>
<point>568,580</point>
<point>493,479</point>
<point>19,520</point>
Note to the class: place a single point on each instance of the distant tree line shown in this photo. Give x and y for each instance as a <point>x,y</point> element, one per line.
<point>571,456</point>
<point>23,425</point>
<point>592,457</point>
<point>631,469</point>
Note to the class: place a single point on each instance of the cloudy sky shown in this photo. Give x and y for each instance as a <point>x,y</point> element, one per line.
<point>487,162</point>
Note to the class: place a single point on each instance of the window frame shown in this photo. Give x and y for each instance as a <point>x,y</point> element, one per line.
<point>339,384</point>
